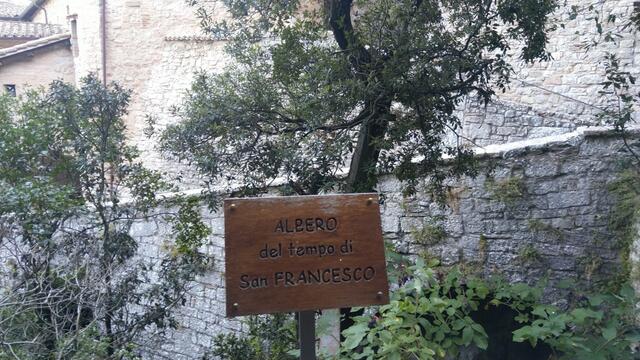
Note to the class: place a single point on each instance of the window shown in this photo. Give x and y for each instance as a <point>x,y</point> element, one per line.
<point>10,89</point>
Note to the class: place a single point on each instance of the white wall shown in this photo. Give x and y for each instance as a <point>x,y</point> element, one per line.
<point>44,66</point>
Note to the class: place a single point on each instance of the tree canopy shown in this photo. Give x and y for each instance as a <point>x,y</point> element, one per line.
<point>72,282</point>
<point>318,89</point>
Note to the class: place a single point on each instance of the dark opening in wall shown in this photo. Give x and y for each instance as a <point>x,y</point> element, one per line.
<point>499,323</point>
<point>10,89</point>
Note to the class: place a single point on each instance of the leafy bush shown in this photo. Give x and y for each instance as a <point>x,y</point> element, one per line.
<point>433,315</point>
<point>271,337</point>
<point>70,191</point>
<point>603,326</point>
<point>427,318</point>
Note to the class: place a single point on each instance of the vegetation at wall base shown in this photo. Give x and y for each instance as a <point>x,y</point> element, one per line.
<point>269,337</point>
<point>437,312</point>
<point>440,313</point>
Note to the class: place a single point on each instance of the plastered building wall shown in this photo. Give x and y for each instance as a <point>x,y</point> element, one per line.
<point>56,11</point>
<point>155,46</point>
<point>158,61</point>
<point>9,43</point>
<point>86,13</point>
<point>38,68</point>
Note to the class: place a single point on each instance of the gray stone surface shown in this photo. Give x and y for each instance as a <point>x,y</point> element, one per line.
<point>502,122</point>
<point>562,215</point>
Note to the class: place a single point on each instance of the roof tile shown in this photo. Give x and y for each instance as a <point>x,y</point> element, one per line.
<point>10,10</point>
<point>27,30</point>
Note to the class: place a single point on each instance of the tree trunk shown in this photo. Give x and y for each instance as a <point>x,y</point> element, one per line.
<point>362,173</point>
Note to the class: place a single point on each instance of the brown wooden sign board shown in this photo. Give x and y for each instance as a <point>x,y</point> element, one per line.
<point>288,254</point>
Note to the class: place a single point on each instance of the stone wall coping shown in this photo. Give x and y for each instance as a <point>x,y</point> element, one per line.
<point>513,149</point>
<point>196,38</point>
<point>548,142</point>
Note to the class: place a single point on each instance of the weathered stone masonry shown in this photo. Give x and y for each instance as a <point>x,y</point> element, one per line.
<point>501,122</point>
<point>561,210</point>
<point>561,216</point>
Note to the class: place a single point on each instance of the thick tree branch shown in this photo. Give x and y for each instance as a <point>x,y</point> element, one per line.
<point>344,34</point>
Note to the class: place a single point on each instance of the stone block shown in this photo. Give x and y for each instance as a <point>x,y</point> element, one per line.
<point>561,263</point>
<point>538,132</point>
<point>142,228</point>
<point>542,187</point>
<point>410,224</point>
<point>390,224</point>
<point>541,169</point>
<point>217,226</point>
<point>568,199</point>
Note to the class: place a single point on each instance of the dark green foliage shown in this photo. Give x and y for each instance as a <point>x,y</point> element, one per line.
<point>602,326</point>
<point>425,318</point>
<point>624,217</point>
<point>438,311</point>
<point>271,337</point>
<point>188,227</point>
<point>70,190</point>
<point>368,84</point>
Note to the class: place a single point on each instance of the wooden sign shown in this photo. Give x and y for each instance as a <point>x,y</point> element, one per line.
<point>287,254</point>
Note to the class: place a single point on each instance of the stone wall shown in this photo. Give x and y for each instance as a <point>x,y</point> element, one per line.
<point>202,317</point>
<point>557,96</point>
<point>533,211</point>
<point>569,83</point>
<point>156,48</point>
<point>38,68</point>
<point>551,199</point>
<point>501,122</point>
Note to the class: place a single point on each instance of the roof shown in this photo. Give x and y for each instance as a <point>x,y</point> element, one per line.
<point>27,30</point>
<point>34,44</point>
<point>10,10</point>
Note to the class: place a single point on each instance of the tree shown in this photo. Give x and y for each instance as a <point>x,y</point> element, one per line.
<point>368,85</point>
<point>316,88</point>
<point>76,286</point>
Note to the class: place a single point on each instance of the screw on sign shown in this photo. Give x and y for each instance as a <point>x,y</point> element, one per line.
<point>304,253</point>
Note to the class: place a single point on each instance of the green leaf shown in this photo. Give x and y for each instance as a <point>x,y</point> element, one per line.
<point>354,336</point>
<point>581,314</point>
<point>609,333</point>
<point>481,342</point>
<point>467,335</point>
